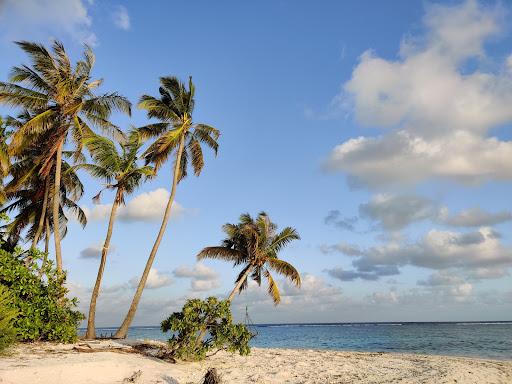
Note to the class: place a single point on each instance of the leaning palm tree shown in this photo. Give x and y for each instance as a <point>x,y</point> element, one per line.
<point>255,244</point>
<point>60,97</point>
<point>177,134</point>
<point>122,174</point>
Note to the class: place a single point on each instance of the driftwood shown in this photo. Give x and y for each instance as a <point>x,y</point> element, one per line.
<point>149,350</point>
<point>133,378</point>
<point>211,377</point>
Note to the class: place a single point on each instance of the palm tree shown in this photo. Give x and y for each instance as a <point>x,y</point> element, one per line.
<point>255,244</point>
<point>122,174</point>
<point>60,97</point>
<point>175,133</point>
<point>5,162</point>
<point>28,201</point>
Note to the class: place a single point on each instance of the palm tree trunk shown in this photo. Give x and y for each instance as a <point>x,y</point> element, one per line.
<point>238,285</point>
<point>123,329</point>
<point>43,214</point>
<point>230,298</point>
<point>46,245</point>
<point>56,206</point>
<point>47,236</point>
<point>91,329</point>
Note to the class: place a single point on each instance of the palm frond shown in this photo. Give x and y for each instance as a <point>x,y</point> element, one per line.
<point>220,253</point>
<point>273,289</point>
<point>285,269</point>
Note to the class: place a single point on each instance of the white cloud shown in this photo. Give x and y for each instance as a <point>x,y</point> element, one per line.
<point>439,115</point>
<point>203,277</point>
<point>478,254</point>
<point>474,217</point>
<point>121,18</point>
<point>394,212</point>
<point>155,280</point>
<point>94,251</point>
<point>204,285</point>
<point>19,19</point>
<point>441,278</point>
<point>145,207</point>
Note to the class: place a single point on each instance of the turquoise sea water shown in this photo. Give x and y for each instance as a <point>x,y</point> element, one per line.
<point>491,340</point>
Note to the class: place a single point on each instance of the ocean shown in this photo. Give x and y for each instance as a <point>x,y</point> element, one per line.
<point>490,340</point>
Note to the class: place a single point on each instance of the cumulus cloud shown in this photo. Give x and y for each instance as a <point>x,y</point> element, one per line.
<point>155,280</point>
<point>313,289</point>
<point>438,114</point>
<point>441,278</point>
<point>121,18</point>
<point>61,17</point>
<point>394,212</point>
<point>474,217</point>
<point>145,207</point>
<point>476,253</point>
<point>203,278</point>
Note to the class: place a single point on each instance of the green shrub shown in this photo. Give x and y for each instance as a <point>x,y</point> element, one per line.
<point>44,312</point>
<point>7,316</point>
<point>212,316</point>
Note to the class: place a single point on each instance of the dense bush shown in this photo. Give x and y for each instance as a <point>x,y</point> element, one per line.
<point>7,316</point>
<point>212,316</point>
<point>44,312</point>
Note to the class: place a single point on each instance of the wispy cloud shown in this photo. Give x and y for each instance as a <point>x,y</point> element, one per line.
<point>22,19</point>
<point>121,18</point>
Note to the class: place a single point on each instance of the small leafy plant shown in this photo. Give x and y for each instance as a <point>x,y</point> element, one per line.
<point>7,317</point>
<point>44,311</point>
<point>211,315</point>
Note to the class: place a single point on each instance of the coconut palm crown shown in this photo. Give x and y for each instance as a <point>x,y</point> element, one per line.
<point>255,244</point>
<point>60,98</point>
<point>119,170</point>
<point>174,109</point>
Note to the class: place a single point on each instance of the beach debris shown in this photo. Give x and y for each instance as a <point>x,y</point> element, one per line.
<point>211,377</point>
<point>133,378</point>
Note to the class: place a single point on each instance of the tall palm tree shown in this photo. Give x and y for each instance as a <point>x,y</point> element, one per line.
<point>122,174</point>
<point>177,134</point>
<point>60,97</point>
<point>4,157</point>
<point>255,244</point>
<point>28,201</point>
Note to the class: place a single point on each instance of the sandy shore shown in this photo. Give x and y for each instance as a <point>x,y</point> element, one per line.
<point>47,363</point>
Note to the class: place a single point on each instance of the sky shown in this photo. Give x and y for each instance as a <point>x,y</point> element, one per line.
<point>382,134</point>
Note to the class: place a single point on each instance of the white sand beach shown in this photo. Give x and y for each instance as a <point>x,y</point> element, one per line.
<point>60,364</point>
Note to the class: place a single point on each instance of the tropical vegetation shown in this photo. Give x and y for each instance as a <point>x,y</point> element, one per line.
<point>223,334</point>
<point>55,134</point>
<point>7,316</point>
<point>43,311</point>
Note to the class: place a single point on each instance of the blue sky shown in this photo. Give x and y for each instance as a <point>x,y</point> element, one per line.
<point>381,133</point>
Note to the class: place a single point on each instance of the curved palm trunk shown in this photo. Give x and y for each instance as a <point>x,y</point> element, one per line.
<point>91,329</point>
<point>123,329</point>
<point>43,214</point>
<point>56,206</point>
<point>230,298</point>
<point>238,285</point>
